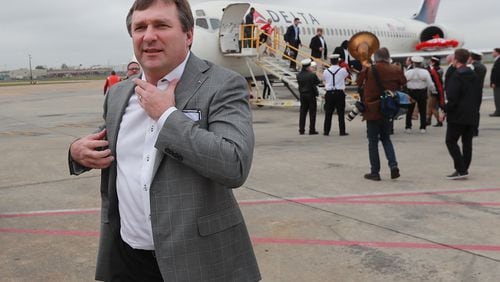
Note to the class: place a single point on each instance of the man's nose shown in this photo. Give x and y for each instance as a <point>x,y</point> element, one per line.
<point>150,33</point>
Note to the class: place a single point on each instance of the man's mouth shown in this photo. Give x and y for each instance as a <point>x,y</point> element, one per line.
<point>151,50</point>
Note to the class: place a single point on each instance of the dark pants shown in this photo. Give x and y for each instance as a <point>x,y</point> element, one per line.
<point>334,100</point>
<point>294,54</point>
<point>461,160</point>
<point>128,264</point>
<point>496,97</point>
<point>307,104</point>
<point>248,34</point>
<point>419,95</point>
<point>379,130</point>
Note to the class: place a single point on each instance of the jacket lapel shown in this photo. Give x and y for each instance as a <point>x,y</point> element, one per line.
<point>116,109</point>
<point>191,80</point>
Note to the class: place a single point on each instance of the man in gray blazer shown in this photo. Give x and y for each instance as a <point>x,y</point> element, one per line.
<point>176,140</point>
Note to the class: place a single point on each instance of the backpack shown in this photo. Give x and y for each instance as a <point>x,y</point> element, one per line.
<point>389,100</point>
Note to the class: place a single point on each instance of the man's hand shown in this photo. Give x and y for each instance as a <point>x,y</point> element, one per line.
<point>86,151</point>
<point>493,85</point>
<point>153,100</point>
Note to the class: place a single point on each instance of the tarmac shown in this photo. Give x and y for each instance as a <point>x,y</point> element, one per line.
<point>310,213</point>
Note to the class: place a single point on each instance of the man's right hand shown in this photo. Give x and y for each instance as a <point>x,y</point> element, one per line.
<point>87,151</point>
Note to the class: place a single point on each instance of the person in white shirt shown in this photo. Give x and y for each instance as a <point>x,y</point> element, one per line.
<point>419,83</point>
<point>334,80</point>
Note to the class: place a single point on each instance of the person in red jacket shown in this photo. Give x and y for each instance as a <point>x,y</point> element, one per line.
<point>110,80</point>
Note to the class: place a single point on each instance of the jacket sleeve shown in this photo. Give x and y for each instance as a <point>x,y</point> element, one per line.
<point>453,90</point>
<point>74,167</point>
<point>222,152</point>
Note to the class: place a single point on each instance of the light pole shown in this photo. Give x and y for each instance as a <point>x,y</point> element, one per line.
<point>31,72</point>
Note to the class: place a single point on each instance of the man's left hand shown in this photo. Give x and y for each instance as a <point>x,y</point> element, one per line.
<point>153,100</point>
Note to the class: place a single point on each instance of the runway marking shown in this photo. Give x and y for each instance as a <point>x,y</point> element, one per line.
<point>51,213</point>
<point>51,232</point>
<point>404,245</point>
<point>284,241</point>
<point>353,199</point>
<point>348,199</point>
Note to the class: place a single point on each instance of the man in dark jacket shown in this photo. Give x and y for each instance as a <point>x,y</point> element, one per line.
<point>318,45</point>
<point>378,127</point>
<point>495,82</point>
<point>308,81</point>
<point>248,30</point>
<point>292,38</point>
<point>480,71</point>
<point>462,109</point>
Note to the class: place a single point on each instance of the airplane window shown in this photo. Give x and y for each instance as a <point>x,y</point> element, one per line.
<point>200,13</point>
<point>309,30</point>
<point>303,30</point>
<point>202,23</point>
<point>215,23</point>
<point>336,32</point>
<point>282,30</point>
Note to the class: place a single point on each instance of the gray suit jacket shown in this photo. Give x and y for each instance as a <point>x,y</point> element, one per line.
<point>198,229</point>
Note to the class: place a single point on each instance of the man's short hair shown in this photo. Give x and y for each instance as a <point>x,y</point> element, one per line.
<point>382,55</point>
<point>131,63</point>
<point>183,9</point>
<point>497,50</point>
<point>462,55</point>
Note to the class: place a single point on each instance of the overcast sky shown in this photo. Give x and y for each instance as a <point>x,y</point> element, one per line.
<point>92,32</point>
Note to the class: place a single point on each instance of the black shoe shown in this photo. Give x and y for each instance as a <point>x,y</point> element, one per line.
<point>326,134</point>
<point>313,132</point>
<point>395,172</point>
<point>457,175</point>
<point>494,115</point>
<point>301,132</point>
<point>372,176</point>
<point>344,134</point>
<point>439,124</point>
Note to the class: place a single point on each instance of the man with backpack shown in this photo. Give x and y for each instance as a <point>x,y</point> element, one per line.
<point>378,126</point>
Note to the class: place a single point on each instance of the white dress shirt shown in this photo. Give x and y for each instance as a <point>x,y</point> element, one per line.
<point>135,156</point>
<point>419,78</point>
<point>340,77</point>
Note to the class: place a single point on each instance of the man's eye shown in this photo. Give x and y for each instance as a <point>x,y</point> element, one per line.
<point>139,28</point>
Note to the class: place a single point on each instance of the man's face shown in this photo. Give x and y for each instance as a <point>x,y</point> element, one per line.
<point>495,54</point>
<point>296,22</point>
<point>133,69</point>
<point>160,45</point>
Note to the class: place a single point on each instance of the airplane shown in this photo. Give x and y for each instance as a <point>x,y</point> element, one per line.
<point>217,30</point>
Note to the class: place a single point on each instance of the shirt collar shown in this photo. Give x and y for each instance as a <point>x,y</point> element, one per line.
<point>174,74</point>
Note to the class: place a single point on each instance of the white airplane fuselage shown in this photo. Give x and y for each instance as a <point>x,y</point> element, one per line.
<point>399,35</point>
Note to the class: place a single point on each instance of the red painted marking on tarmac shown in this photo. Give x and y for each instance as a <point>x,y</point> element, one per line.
<point>50,213</point>
<point>51,232</point>
<point>346,199</point>
<point>402,245</point>
<point>352,199</point>
<point>283,241</point>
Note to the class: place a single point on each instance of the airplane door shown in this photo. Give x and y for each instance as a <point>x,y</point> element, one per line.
<point>229,32</point>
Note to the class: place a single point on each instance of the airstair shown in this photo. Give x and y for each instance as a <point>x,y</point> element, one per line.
<point>274,69</point>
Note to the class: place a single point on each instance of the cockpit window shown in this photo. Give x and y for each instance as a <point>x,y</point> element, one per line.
<point>215,23</point>
<point>200,13</point>
<point>202,23</point>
